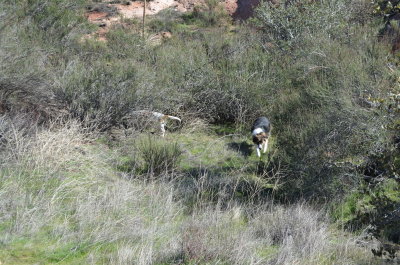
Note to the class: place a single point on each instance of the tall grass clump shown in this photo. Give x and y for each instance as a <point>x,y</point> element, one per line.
<point>159,156</point>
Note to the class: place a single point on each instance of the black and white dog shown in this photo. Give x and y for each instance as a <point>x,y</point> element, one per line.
<point>260,132</point>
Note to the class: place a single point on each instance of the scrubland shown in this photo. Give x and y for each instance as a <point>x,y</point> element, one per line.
<point>79,184</point>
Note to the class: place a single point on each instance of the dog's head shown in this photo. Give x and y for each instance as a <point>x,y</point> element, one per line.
<point>260,138</point>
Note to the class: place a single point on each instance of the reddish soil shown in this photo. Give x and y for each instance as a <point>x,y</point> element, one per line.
<point>135,9</point>
<point>93,16</point>
<point>103,20</point>
<point>238,9</point>
<point>231,6</point>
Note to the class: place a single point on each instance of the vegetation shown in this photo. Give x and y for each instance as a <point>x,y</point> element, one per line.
<point>78,186</point>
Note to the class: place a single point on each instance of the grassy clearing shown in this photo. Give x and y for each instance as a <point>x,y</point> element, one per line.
<point>79,207</point>
<point>208,163</point>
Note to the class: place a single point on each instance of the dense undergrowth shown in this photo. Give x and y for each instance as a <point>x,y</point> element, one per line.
<point>66,199</point>
<point>319,70</point>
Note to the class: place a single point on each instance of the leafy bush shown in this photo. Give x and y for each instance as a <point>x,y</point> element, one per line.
<point>293,23</point>
<point>387,8</point>
<point>318,90</point>
<point>60,22</point>
<point>98,92</point>
<point>212,14</point>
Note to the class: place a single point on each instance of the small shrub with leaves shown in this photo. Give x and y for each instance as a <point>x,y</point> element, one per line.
<point>212,13</point>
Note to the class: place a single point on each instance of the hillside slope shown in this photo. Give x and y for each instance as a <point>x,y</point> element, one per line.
<point>83,180</point>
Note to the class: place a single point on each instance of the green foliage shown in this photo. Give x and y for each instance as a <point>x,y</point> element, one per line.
<point>314,68</point>
<point>318,88</point>
<point>387,8</point>
<point>165,20</point>
<point>59,21</point>
<point>292,24</point>
<point>368,205</point>
<point>127,164</point>
<point>311,68</point>
<point>102,93</point>
<point>213,13</point>
<point>159,156</point>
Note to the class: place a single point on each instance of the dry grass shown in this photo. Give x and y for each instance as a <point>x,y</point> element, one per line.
<point>294,234</point>
<point>301,232</point>
<point>57,180</point>
<point>59,187</point>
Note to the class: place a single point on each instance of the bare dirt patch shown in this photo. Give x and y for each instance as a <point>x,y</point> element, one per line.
<point>231,6</point>
<point>94,16</point>
<point>107,14</point>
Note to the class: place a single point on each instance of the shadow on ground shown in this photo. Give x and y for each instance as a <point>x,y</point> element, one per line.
<point>243,148</point>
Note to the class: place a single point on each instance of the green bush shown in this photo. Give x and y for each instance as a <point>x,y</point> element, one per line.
<point>322,71</point>
<point>311,68</point>
<point>159,156</point>
<point>290,24</point>
<point>99,93</point>
<point>212,14</point>
<point>165,20</point>
<point>60,22</point>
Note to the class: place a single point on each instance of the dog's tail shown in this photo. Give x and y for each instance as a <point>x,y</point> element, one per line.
<point>173,118</point>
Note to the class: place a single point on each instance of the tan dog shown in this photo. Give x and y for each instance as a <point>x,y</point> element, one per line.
<point>160,118</point>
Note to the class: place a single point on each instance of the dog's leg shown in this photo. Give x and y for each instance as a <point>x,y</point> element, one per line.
<point>258,151</point>
<point>162,128</point>
<point>265,146</point>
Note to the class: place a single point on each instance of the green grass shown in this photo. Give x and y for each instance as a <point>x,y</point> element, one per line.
<point>357,207</point>
<point>391,190</point>
<point>43,249</point>
<point>222,149</point>
<point>267,252</point>
<point>311,75</point>
<point>100,216</point>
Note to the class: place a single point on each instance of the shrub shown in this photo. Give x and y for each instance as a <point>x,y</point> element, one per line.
<point>60,22</point>
<point>98,93</point>
<point>317,91</point>
<point>159,156</point>
<point>165,20</point>
<point>311,69</point>
<point>212,14</point>
<point>292,23</point>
